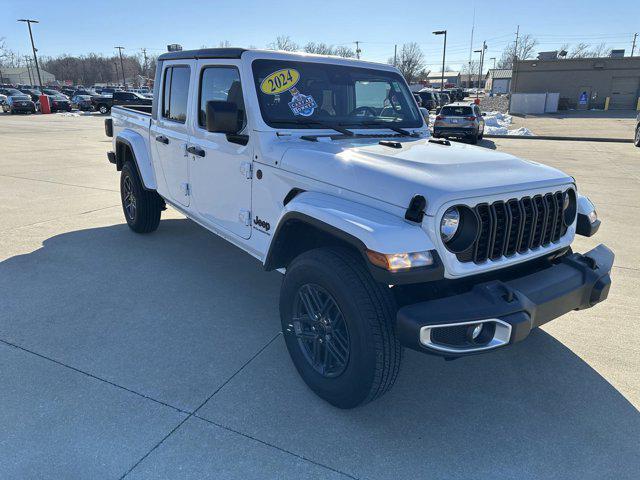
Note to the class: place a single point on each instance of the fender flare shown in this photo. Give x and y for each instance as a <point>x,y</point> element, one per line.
<point>363,228</point>
<point>140,153</point>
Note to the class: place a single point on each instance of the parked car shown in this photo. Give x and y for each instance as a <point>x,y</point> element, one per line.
<point>637,137</point>
<point>59,103</point>
<point>8,91</point>
<point>461,120</point>
<point>68,91</point>
<point>444,98</point>
<point>3,99</point>
<point>385,237</point>
<point>82,102</point>
<point>33,94</point>
<point>103,103</point>
<point>429,99</point>
<point>19,103</point>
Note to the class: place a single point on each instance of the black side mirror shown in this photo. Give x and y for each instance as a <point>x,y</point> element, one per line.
<point>222,117</point>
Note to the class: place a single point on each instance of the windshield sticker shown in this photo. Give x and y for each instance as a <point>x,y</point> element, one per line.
<point>280,81</point>
<point>303,105</point>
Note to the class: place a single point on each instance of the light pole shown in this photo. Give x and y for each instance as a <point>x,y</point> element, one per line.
<point>35,57</point>
<point>478,87</point>
<point>124,81</point>
<point>444,52</point>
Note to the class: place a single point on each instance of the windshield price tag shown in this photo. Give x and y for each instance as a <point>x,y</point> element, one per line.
<point>280,81</point>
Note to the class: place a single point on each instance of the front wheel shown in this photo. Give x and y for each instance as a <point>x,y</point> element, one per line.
<point>142,208</point>
<point>103,109</point>
<point>637,139</point>
<point>338,326</point>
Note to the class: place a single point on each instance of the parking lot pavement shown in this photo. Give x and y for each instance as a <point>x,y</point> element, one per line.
<point>581,123</point>
<point>160,356</point>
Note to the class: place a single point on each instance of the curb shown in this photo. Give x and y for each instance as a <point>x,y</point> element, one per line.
<point>568,139</point>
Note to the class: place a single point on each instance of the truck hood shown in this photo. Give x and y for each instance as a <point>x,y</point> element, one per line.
<point>440,173</point>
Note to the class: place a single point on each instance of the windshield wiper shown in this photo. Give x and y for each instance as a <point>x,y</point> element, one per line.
<point>307,123</point>
<point>399,130</point>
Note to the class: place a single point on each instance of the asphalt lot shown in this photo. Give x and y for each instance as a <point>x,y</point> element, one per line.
<point>160,356</point>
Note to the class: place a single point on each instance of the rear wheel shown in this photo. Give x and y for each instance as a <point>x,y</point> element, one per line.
<point>637,139</point>
<point>103,109</point>
<point>474,138</point>
<point>338,326</point>
<point>142,208</point>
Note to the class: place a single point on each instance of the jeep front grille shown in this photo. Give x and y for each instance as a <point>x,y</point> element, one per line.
<point>515,226</point>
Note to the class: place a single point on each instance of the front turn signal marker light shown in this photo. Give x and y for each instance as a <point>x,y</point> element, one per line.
<point>400,261</point>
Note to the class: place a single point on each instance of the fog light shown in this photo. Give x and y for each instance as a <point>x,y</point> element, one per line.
<point>476,331</point>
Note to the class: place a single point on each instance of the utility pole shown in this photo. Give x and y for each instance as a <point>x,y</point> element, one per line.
<point>484,49</point>
<point>26,61</point>
<point>29,21</point>
<point>633,47</point>
<point>395,55</point>
<point>514,66</point>
<point>473,27</point>
<point>358,51</point>
<point>144,65</point>
<point>124,80</point>
<point>444,52</point>
<point>115,64</point>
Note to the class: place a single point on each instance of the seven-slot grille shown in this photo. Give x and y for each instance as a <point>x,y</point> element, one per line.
<point>516,226</point>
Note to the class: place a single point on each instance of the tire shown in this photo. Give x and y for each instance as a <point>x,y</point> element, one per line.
<point>481,135</point>
<point>474,138</point>
<point>141,208</point>
<point>103,109</point>
<point>636,142</point>
<point>367,312</point>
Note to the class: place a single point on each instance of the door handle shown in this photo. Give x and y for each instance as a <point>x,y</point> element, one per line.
<point>197,151</point>
<point>162,139</point>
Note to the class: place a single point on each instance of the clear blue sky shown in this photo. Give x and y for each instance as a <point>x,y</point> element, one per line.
<point>76,27</point>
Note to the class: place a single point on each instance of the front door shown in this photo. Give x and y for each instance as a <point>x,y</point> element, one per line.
<point>221,179</point>
<point>169,134</point>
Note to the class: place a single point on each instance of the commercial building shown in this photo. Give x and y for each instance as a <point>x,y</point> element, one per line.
<point>583,83</point>
<point>498,81</point>
<point>451,79</point>
<point>25,76</point>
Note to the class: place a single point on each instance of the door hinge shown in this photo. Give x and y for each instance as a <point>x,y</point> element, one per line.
<point>186,189</point>
<point>246,169</point>
<point>245,217</point>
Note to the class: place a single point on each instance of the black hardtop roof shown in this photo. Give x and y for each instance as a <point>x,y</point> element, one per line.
<point>203,53</point>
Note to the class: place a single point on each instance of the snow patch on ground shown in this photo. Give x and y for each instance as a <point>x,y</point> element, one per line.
<point>524,131</point>
<point>74,114</point>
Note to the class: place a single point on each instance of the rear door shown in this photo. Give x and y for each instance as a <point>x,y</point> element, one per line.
<point>221,178</point>
<point>169,133</point>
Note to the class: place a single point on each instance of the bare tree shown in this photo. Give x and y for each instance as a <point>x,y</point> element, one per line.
<point>8,58</point>
<point>283,43</point>
<point>600,50</point>
<point>526,49</point>
<point>319,48</point>
<point>579,50</point>
<point>343,51</point>
<point>410,61</point>
<point>224,44</point>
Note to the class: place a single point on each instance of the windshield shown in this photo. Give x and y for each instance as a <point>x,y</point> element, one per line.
<point>312,95</point>
<point>20,97</point>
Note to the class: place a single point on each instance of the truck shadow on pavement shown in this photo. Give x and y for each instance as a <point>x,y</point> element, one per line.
<point>174,315</point>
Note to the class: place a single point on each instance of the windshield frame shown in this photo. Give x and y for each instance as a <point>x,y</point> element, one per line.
<point>314,123</point>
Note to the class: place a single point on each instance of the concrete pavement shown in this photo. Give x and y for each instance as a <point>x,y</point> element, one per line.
<point>160,356</point>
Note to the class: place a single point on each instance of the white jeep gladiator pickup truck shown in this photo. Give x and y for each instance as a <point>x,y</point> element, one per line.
<point>323,168</point>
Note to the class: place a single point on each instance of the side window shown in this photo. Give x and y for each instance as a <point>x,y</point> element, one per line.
<point>220,84</point>
<point>175,93</point>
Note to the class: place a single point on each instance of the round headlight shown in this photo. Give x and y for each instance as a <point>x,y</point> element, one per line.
<point>569,207</point>
<point>449,224</point>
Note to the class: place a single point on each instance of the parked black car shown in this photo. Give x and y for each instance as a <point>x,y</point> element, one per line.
<point>82,102</point>
<point>429,99</point>
<point>33,94</point>
<point>637,137</point>
<point>19,104</point>
<point>444,98</point>
<point>103,103</point>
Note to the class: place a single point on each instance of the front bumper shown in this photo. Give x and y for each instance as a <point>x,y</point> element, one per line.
<point>507,310</point>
